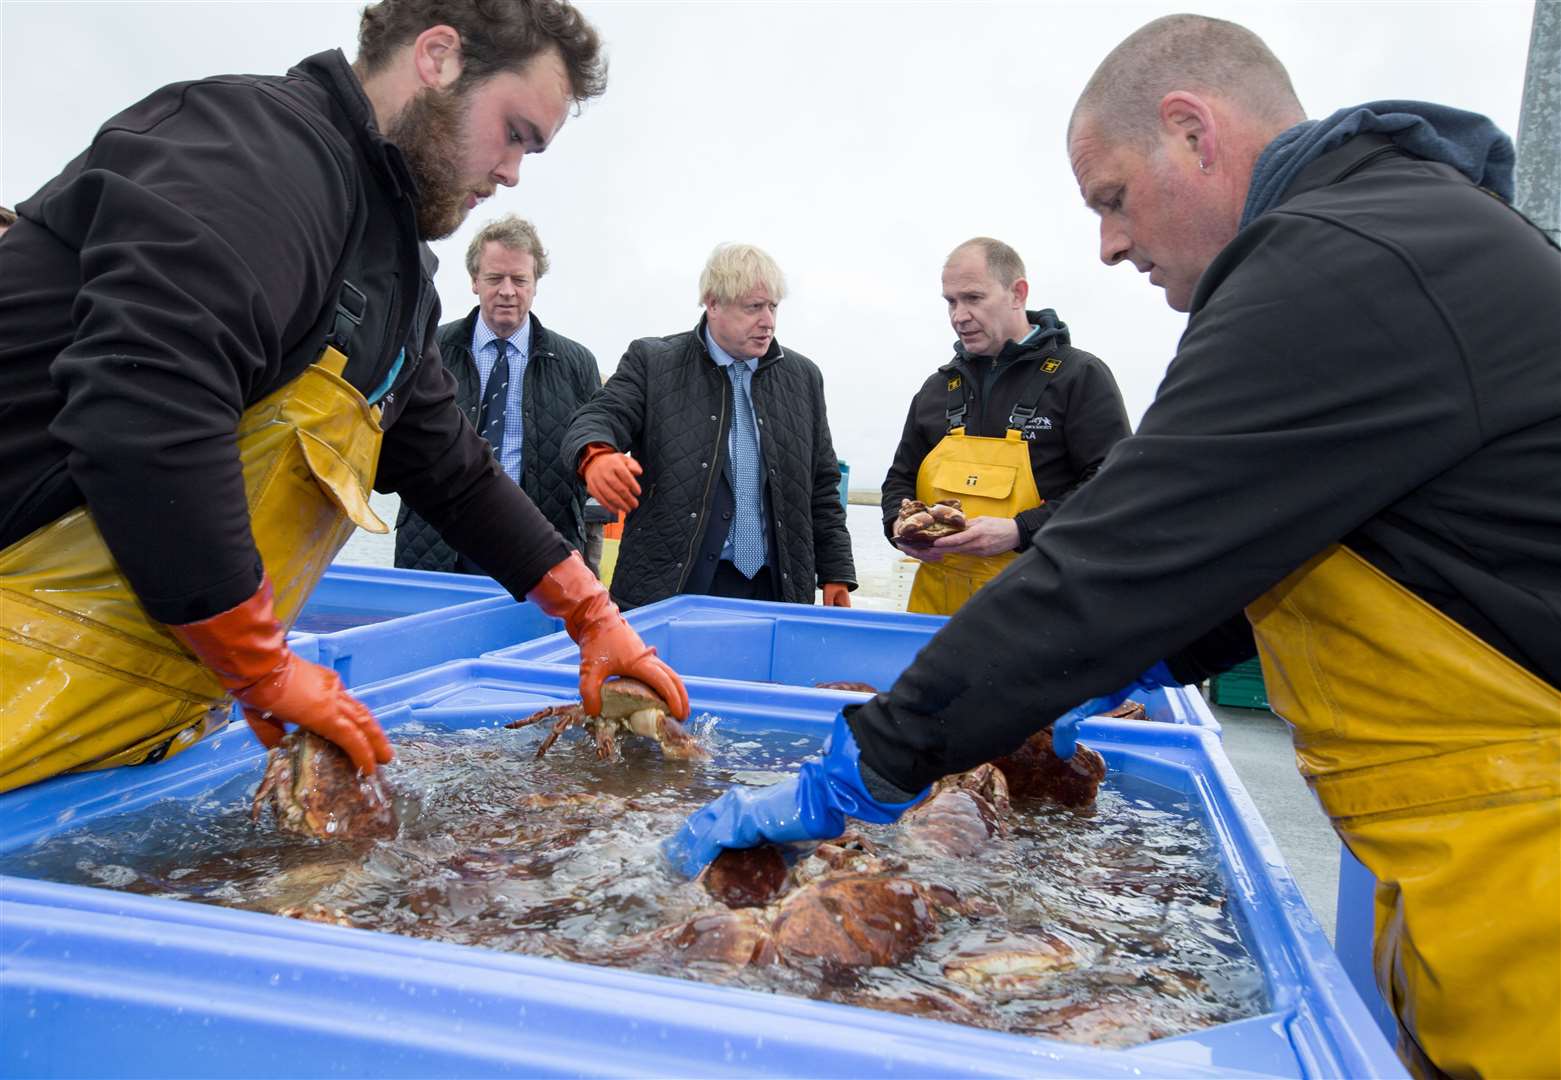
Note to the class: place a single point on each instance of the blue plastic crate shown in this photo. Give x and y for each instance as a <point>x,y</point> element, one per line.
<point>410,619</point>
<point>352,596</point>
<point>797,645</point>
<point>168,988</point>
<point>384,650</point>
<point>1353,931</point>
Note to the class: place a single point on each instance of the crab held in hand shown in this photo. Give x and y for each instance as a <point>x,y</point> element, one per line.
<point>919,523</point>
<point>315,790</point>
<point>628,707</point>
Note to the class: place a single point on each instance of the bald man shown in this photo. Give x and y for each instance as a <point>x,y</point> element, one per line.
<point>1353,469</point>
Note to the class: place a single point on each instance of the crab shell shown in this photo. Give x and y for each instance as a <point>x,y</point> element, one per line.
<point>1018,963</point>
<point>963,813</point>
<point>1034,771</point>
<point>842,684</point>
<point>627,705</point>
<point>314,789</point>
<point>920,523</point>
<point>845,921</point>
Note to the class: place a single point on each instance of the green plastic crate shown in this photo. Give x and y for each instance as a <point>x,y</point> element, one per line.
<point>1241,687</point>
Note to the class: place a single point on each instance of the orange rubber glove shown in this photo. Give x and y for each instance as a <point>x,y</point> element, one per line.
<point>608,645</point>
<point>836,594</point>
<point>609,477</point>
<point>247,649</point>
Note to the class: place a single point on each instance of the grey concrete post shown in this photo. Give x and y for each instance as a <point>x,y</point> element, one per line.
<point>1538,179</point>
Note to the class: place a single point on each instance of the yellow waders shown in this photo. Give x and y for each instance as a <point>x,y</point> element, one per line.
<point>991,478</point>
<point>87,679</point>
<point>1439,761</point>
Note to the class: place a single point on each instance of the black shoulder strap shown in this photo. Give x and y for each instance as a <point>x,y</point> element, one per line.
<point>954,412</point>
<point>1030,400</point>
<point>346,305</point>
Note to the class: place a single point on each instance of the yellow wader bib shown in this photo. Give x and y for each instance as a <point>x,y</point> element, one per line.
<point>991,478</point>
<point>1439,761</point>
<point>87,679</point>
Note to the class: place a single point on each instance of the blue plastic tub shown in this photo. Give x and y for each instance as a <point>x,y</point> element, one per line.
<point>1354,927</point>
<point>796,645</point>
<point>351,596</point>
<point>169,988</point>
<point>371,653</point>
<point>370,623</point>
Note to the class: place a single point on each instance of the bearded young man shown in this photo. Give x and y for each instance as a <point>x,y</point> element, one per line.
<point>216,335</point>
<point>1351,468</point>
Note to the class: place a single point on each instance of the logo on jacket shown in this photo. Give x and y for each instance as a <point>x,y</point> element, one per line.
<point>953,382</point>
<point>1034,426</point>
<point>972,480</point>
<point>1050,365</point>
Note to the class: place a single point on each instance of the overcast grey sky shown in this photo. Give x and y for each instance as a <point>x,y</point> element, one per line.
<point>857,142</point>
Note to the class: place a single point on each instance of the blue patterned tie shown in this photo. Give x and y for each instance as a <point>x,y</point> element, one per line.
<point>747,525</point>
<point>494,398</point>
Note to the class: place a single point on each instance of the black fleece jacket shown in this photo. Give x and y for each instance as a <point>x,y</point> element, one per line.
<point>1374,362</point>
<point>175,273</point>
<point>1078,418</point>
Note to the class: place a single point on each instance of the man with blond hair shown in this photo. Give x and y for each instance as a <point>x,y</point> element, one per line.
<point>519,384</point>
<point>1010,427</point>
<point>1351,469</point>
<point>724,436</point>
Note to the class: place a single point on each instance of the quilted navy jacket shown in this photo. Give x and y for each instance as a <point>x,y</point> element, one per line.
<point>561,375</point>
<point>670,405</point>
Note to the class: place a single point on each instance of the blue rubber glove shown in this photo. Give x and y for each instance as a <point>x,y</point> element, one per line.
<point>1065,731</point>
<point>813,805</point>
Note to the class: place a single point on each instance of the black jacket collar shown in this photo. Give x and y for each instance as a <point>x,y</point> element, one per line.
<point>540,342</point>
<point>1054,333</point>
<point>331,70</point>
<point>1339,163</point>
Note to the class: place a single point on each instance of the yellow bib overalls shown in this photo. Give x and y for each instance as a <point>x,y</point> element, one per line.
<point>1439,761</point>
<point>991,478</point>
<point>87,679</point>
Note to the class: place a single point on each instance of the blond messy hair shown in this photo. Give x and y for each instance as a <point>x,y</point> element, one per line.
<point>734,269</point>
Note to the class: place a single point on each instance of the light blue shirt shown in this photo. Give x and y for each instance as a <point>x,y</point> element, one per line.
<point>724,360</point>
<point>485,354</point>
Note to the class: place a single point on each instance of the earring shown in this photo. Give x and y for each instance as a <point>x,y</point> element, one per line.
<point>1203,166</point>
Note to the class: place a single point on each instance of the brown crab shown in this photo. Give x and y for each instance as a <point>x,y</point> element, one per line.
<point>313,789</point>
<point>919,523</point>
<point>1017,962</point>
<point>1034,771</point>
<point>843,920</point>
<point>843,684</point>
<point>963,813</point>
<point>628,706</point>
<point>846,904</point>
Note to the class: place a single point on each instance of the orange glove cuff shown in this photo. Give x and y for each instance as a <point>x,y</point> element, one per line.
<point>242,645</point>
<point>569,591</point>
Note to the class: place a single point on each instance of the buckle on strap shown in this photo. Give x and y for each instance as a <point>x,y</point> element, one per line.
<point>954,412</point>
<point>352,306</point>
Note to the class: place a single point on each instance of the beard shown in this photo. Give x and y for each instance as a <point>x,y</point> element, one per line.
<point>428,132</point>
